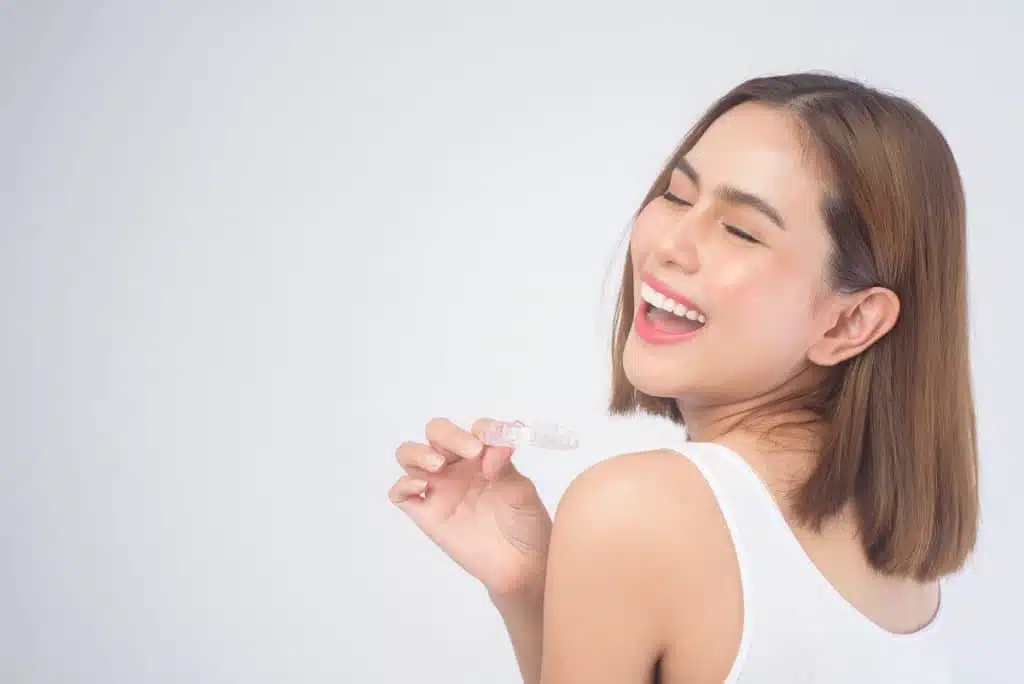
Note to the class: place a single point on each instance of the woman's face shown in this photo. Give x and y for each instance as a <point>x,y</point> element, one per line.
<point>738,240</point>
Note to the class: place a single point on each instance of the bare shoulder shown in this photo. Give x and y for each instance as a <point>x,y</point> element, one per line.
<point>651,508</point>
<point>650,521</point>
<point>658,489</point>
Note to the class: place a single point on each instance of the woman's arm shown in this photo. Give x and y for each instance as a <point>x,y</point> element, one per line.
<point>622,586</point>
<point>612,569</point>
<point>524,620</point>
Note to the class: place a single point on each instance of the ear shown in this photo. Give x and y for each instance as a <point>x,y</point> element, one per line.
<point>860,320</point>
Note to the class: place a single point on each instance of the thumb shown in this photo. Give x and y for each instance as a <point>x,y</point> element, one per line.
<point>496,462</point>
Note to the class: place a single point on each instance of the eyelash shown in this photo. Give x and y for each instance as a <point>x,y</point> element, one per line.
<point>743,235</point>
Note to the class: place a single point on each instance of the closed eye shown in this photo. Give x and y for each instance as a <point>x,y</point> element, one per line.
<point>676,200</point>
<point>741,234</point>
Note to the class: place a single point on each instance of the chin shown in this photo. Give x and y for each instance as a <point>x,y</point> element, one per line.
<point>655,377</point>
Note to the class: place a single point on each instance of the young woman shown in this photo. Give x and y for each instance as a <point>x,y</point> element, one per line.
<point>795,296</point>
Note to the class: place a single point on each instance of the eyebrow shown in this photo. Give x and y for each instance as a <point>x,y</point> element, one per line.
<point>732,195</point>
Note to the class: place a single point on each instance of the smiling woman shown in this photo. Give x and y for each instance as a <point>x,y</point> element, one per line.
<point>794,297</point>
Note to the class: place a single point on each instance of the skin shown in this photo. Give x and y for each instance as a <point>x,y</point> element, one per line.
<point>627,529</point>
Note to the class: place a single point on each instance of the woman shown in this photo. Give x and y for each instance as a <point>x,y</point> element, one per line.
<point>795,296</point>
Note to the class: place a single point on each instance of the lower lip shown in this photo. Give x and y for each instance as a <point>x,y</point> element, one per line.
<point>648,333</point>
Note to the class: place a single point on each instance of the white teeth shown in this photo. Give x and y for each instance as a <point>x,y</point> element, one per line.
<point>660,301</point>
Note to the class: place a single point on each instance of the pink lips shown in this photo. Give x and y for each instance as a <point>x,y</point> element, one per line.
<point>648,332</point>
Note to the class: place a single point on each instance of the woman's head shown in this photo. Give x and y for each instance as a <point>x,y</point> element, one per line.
<point>816,230</point>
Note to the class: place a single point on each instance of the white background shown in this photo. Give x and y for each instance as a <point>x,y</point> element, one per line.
<point>247,250</point>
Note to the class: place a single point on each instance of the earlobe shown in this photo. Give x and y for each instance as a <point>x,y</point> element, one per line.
<point>863,319</point>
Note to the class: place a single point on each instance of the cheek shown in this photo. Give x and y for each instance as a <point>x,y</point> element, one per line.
<point>642,238</point>
<point>762,303</point>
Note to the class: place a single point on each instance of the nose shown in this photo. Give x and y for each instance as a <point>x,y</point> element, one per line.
<point>677,245</point>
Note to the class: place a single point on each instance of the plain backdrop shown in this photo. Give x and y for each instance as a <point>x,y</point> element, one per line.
<point>247,249</point>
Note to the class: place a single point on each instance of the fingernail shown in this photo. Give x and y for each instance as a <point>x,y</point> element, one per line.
<point>434,461</point>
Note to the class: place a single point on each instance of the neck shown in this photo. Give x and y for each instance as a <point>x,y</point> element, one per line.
<point>785,411</point>
<point>760,421</point>
<point>776,433</point>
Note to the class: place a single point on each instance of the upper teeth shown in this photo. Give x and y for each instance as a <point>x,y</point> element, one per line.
<point>656,299</point>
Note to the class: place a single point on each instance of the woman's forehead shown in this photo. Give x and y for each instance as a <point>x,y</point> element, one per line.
<point>760,150</point>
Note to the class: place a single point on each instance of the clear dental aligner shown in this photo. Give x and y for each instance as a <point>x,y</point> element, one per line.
<point>539,434</point>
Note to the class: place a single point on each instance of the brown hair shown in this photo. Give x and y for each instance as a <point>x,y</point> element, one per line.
<point>898,419</point>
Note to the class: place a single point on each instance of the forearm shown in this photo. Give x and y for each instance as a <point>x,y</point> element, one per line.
<point>524,620</point>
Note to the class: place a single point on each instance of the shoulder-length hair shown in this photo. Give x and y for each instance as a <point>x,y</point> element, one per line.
<point>898,419</point>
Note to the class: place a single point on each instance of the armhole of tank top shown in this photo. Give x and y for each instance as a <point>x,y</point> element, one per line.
<point>698,454</point>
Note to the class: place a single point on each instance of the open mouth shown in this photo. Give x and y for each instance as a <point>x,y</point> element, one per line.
<point>667,315</point>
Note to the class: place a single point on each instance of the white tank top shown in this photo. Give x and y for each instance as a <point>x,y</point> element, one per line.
<point>797,628</point>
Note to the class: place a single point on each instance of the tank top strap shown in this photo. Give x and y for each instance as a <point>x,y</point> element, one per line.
<point>750,511</point>
<point>780,592</point>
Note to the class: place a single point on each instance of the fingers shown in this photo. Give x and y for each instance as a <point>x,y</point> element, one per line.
<point>414,457</point>
<point>408,496</point>
<point>446,436</point>
<point>406,488</point>
<point>449,443</point>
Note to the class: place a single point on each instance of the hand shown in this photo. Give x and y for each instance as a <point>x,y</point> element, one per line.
<point>473,503</point>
